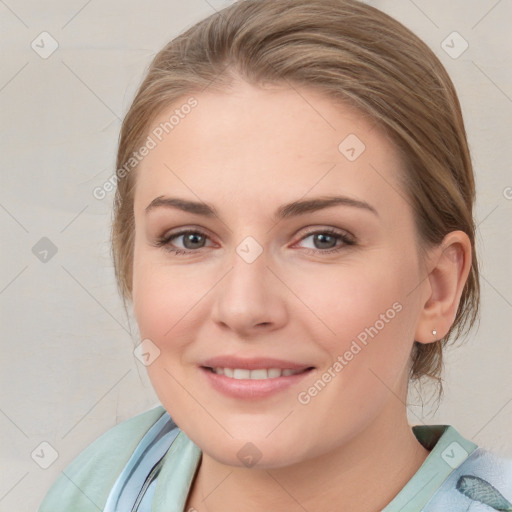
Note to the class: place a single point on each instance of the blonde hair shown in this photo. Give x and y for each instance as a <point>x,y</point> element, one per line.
<point>353,53</point>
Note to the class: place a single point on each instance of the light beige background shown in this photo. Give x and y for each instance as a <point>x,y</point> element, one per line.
<point>68,372</point>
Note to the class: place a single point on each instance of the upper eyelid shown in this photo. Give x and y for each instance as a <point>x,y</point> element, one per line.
<point>310,230</point>
<point>171,236</point>
<point>184,231</point>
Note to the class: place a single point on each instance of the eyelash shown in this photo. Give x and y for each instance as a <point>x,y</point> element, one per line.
<point>166,240</point>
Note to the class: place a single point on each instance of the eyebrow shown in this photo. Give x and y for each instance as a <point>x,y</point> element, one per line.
<point>285,211</point>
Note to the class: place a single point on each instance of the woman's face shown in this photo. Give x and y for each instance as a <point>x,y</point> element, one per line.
<point>276,275</point>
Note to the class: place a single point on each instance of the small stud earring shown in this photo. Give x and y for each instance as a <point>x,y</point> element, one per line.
<point>434,332</point>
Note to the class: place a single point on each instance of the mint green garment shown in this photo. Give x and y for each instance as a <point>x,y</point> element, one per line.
<point>85,484</point>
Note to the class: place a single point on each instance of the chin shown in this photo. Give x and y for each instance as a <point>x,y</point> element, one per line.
<point>259,453</point>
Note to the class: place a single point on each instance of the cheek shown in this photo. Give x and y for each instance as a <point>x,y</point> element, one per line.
<point>170,301</point>
<point>350,299</point>
<point>166,309</point>
<point>160,299</point>
<point>371,315</point>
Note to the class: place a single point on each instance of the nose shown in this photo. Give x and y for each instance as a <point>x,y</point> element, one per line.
<point>250,300</point>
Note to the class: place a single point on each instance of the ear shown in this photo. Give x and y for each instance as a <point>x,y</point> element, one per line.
<point>448,268</point>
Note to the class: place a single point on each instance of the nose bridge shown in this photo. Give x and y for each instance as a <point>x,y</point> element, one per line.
<point>249,296</point>
<point>249,268</point>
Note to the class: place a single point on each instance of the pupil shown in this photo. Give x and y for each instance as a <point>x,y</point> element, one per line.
<point>192,238</point>
<point>322,238</point>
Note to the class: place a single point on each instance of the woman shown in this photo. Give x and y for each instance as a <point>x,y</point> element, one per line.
<point>293,224</point>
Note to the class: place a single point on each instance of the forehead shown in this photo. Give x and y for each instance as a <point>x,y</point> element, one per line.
<point>275,143</point>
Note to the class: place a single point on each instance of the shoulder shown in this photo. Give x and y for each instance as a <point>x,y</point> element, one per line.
<point>485,465</point>
<point>483,481</point>
<point>87,480</point>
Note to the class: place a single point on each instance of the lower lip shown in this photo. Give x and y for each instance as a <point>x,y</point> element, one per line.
<point>251,388</point>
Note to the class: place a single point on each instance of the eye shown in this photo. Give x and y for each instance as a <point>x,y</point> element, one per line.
<point>327,241</point>
<point>191,241</point>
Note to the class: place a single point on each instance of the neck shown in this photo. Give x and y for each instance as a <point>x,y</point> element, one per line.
<point>363,475</point>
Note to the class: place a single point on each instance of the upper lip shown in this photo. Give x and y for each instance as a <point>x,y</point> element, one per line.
<point>253,363</point>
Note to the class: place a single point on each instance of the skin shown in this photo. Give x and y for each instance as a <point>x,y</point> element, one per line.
<point>248,151</point>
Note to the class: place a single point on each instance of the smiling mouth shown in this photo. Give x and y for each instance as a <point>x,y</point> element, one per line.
<point>257,374</point>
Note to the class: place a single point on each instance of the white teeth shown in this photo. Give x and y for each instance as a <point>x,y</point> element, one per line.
<point>241,374</point>
<point>259,374</point>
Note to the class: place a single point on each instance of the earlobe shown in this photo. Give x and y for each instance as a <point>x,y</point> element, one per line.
<point>449,267</point>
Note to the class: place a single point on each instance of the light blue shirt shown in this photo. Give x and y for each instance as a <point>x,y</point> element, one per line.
<point>147,464</point>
